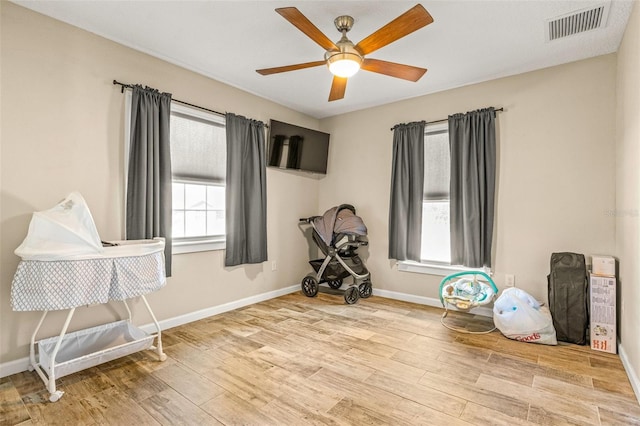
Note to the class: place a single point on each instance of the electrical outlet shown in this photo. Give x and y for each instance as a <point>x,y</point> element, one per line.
<point>274,265</point>
<point>509,280</point>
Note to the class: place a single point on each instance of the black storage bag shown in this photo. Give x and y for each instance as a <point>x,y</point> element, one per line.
<point>568,297</point>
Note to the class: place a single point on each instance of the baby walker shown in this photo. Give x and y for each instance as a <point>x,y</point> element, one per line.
<point>465,294</point>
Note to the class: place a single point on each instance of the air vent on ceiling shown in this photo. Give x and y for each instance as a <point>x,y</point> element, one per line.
<point>577,22</point>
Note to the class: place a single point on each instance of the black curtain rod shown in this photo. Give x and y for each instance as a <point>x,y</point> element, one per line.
<point>130,86</point>
<point>446,119</point>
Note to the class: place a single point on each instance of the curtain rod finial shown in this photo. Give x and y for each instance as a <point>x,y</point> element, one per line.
<point>121,85</point>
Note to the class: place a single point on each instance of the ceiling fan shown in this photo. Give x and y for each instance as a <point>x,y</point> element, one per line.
<point>344,58</point>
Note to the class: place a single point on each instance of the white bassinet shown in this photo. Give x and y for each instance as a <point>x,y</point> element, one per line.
<point>65,265</point>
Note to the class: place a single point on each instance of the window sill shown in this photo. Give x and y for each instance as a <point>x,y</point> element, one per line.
<point>183,247</point>
<point>441,270</point>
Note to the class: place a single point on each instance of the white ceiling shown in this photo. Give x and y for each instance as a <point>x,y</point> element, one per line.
<point>468,42</point>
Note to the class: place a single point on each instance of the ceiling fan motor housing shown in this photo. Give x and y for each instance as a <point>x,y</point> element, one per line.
<point>346,55</point>
<point>347,50</point>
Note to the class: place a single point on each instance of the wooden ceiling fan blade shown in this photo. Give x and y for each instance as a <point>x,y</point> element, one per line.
<point>410,21</point>
<point>301,22</point>
<point>276,70</point>
<point>338,87</point>
<point>406,72</point>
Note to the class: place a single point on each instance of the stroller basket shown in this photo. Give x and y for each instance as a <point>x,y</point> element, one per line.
<point>338,233</point>
<point>333,272</point>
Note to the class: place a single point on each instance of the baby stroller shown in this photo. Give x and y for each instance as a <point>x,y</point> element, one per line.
<point>338,233</point>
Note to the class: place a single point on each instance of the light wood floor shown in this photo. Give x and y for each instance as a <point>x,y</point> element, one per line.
<point>296,360</point>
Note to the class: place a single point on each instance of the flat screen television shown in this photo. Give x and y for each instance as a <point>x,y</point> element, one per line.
<point>297,148</point>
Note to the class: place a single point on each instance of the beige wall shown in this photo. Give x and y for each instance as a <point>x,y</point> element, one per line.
<point>628,189</point>
<point>556,156</point>
<point>62,127</point>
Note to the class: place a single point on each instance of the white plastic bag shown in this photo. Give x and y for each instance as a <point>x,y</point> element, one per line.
<point>520,316</point>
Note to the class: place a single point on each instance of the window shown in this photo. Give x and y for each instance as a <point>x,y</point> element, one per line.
<point>435,252</point>
<point>435,256</point>
<point>198,162</point>
<point>436,241</point>
<point>436,235</point>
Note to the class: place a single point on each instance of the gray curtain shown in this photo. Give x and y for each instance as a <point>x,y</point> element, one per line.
<point>148,209</point>
<point>472,138</point>
<point>246,192</point>
<point>407,181</point>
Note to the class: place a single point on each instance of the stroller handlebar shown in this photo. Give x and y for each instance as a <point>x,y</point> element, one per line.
<point>307,219</point>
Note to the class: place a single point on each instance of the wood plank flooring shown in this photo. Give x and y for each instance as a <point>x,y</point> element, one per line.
<point>295,360</point>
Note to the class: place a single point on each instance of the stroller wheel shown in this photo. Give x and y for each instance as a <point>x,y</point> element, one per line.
<point>365,289</point>
<point>335,284</point>
<point>310,286</point>
<point>351,295</point>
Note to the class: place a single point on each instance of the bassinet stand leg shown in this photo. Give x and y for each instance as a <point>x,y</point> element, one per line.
<point>126,305</point>
<point>158,348</point>
<point>32,346</point>
<point>50,382</point>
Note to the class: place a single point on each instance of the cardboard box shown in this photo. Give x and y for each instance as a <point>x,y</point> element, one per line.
<point>603,265</point>
<point>602,292</point>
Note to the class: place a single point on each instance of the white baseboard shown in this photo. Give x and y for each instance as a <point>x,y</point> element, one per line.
<point>14,367</point>
<point>22,364</point>
<point>429,301</point>
<point>631,373</point>
<point>215,310</point>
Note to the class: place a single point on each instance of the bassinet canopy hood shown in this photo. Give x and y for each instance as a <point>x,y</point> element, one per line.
<point>63,231</point>
<point>340,220</point>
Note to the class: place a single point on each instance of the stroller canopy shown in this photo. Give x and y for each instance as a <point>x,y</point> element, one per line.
<point>62,231</point>
<point>339,220</point>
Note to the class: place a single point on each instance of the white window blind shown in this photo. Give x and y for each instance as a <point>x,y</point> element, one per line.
<point>198,148</point>
<point>437,165</point>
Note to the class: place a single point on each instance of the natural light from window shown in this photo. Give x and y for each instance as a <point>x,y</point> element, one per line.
<point>198,210</point>
<point>436,241</point>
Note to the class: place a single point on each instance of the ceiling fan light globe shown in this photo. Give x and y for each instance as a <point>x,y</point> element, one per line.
<point>344,64</point>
